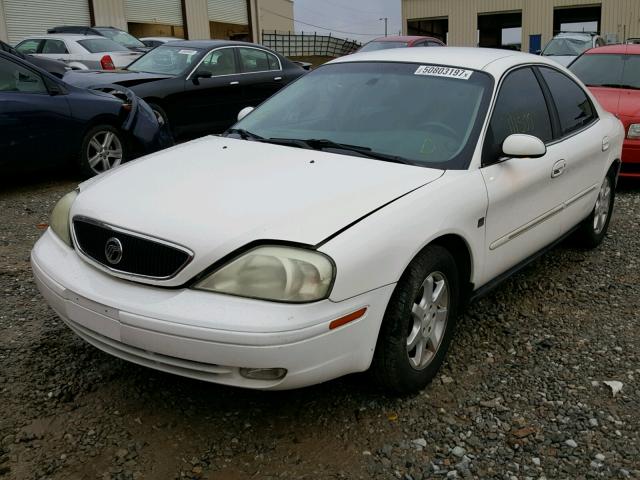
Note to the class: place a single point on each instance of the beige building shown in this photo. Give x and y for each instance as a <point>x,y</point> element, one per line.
<point>193,19</point>
<point>481,22</point>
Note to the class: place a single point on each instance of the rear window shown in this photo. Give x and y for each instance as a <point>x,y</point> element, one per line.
<point>99,45</point>
<point>608,70</point>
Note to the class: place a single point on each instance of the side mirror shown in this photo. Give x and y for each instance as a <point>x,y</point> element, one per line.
<point>244,112</point>
<point>538,52</point>
<point>200,74</point>
<point>519,145</point>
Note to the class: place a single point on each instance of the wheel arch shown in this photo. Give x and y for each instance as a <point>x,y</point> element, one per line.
<point>460,250</point>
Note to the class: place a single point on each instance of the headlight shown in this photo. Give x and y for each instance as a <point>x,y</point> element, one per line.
<point>285,274</point>
<point>59,221</point>
<point>634,131</point>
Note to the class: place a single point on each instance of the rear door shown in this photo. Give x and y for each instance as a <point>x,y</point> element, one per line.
<point>581,143</point>
<point>210,105</point>
<point>262,75</point>
<point>55,50</point>
<point>34,125</point>
<point>525,202</point>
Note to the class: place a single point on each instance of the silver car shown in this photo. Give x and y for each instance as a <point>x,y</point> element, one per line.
<point>84,52</point>
<point>566,46</point>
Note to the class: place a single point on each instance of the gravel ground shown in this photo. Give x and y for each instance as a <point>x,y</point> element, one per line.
<point>521,396</point>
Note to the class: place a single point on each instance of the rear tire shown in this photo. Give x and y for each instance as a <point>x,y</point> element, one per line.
<point>421,314</point>
<point>103,148</point>
<point>594,228</point>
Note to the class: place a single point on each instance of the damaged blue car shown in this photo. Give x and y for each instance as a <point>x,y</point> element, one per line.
<point>47,124</point>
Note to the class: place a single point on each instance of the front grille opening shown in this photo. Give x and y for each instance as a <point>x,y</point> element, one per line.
<point>139,256</point>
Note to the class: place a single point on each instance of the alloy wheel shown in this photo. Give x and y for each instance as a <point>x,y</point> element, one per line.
<point>429,313</point>
<point>104,151</point>
<point>603,204</point>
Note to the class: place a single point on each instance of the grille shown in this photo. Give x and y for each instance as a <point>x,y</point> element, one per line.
<point>139,255</point>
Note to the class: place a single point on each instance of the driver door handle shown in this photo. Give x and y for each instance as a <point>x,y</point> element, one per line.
<point>277,79</point>
<point>558,168</point>
<point>234,83</point>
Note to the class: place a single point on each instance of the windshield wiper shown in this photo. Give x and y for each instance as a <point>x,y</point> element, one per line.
<point>244,134</point>
<point>323,143</point>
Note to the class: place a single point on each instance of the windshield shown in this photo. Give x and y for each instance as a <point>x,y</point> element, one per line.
<point>608,70</point>
<point>372,46</point>
<point>567,46</point>
<point>99,45</point>
<point>166,60</point>
<point>123,38</point>
<point>427,115</point>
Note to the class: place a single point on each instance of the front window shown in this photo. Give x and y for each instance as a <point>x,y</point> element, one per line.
<point>421,114</point>
<point>567,46</point>
<point>608,70</point>
<point>166,60</point>
<point>373,46</point>
<point>100,45</point>
<point>123,38</point>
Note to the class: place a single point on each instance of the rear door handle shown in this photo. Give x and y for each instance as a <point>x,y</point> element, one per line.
<point>234,83</point>
<point>277,79</point>
<point>558,168</point>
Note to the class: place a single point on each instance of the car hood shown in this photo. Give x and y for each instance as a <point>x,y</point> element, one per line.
<point>619,101</point>
<point>214,195</point>
<point>85,78</point>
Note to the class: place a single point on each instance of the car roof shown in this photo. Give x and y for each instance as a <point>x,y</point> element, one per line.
<point>630,49</point>
<point>61,36</point>
<point>464,57</point>
<point>575,35</point>
<point>404,38</point>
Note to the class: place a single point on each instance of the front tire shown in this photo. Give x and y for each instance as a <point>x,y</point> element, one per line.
<point>103,148</point>
<point>594,228</point>
<point>418,323</point>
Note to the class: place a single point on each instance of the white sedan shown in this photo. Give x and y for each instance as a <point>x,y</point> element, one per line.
<point>82,52</point>
<point>339,227</point>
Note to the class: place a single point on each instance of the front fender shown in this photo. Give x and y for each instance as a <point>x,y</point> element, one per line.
<point>377,250</point>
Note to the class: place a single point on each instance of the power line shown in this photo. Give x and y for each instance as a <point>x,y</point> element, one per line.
<point>320,26</point>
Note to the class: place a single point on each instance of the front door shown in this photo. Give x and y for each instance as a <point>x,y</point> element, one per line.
<point>34,125</point>
<point>525,202</point>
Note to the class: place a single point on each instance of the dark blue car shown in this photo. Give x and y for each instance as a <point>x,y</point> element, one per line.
<point>46,123</point>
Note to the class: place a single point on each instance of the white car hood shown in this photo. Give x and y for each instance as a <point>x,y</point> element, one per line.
<point>215,195</point>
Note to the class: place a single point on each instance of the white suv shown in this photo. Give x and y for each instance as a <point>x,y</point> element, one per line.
<point>84,52</point>
<point>566,46</point>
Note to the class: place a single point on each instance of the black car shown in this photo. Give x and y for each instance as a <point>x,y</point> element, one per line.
<point>54,67</point>
<point>112,33</point>
<point>198,87</point>
<point>46,124</point>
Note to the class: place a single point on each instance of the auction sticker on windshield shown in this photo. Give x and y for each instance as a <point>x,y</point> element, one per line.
<point>449,72</point>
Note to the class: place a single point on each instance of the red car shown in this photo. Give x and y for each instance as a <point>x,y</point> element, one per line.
<point>383,43</point>
<point>612,73</point>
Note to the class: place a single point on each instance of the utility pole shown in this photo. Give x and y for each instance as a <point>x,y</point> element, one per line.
<point>385,24</point>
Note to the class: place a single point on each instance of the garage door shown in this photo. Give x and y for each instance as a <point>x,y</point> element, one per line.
<point>33,17</point>
<point>228,11</point>
<point>167,12</point>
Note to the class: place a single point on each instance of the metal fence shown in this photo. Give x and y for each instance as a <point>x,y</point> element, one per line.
<point>292,44</point>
